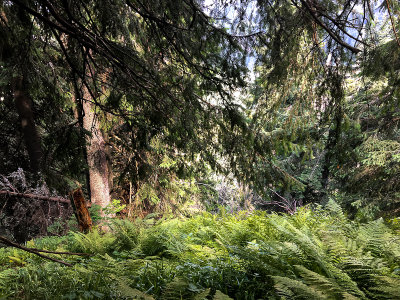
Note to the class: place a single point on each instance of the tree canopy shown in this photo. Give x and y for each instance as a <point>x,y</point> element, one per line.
<point>294,99</point>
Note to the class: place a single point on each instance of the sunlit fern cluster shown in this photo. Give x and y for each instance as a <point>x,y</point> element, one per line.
<point>313,254</point>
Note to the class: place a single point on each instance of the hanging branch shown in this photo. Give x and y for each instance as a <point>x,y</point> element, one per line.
<point>391,21</point>
<point>312,13</point>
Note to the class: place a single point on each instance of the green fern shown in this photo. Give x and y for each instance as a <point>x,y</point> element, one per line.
<point>178,289</point>
<point>386,287</point>
<point>203,295</point>
<point>338,288</point>
<point>126,233</point>
<point>295,289</point>
<point>313,254</point>
<point>127,292</point>
<point>93,242</point>
<point>207,295</point>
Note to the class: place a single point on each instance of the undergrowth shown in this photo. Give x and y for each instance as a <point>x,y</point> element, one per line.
<point>313,254</point>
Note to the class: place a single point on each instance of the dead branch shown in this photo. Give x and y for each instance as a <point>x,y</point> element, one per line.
<point>34,251</point>
<point>37,197</point>
<point>65,252</point>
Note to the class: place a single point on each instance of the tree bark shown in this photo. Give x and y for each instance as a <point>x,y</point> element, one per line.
<point>96,154</point>
<point>81,211</point>
<point>78,113</point>
<point>337,94</point>
<point>25,111</point>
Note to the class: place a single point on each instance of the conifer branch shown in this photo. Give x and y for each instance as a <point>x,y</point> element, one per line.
<point>391,21</point>
<point>327,29</point>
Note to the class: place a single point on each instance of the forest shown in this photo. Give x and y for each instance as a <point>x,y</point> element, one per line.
<point>199,149</point>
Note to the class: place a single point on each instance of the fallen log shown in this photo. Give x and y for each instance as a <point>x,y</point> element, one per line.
<point>37,197</point>
<point>77,201</point>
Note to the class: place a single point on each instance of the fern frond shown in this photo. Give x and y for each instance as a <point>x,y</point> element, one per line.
<point>309,244</point>
<point>126,233</point>
<point>334,209</point>
<point>295,289</point>
<point>203,295</point>
<point>375,237</point>
<point>207,294</point>
<point>330,286</point>
<point>93,242</point>
<point>319,282</point>
<point>130,293</point>
<point>177,289</point>
<point>346,283</point>
<point>387,287</point>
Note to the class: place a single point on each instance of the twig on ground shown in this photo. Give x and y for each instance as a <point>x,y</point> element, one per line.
<point>10,243</point>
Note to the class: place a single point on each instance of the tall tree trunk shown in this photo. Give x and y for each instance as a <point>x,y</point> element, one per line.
<point>32,139</point>
<point>337,95</point>
<point>78,113</point>
<point>333,139</point>
<point>96,154</point>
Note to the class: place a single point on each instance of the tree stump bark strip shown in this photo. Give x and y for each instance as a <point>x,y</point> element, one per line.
<point>81,211</point>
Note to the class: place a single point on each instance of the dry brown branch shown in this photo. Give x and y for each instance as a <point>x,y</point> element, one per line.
<point>61,253</point>
<point>33,196</point>
<point>34,251</point>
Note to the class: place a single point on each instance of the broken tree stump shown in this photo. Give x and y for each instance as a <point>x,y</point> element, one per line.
<point>81,210</point>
